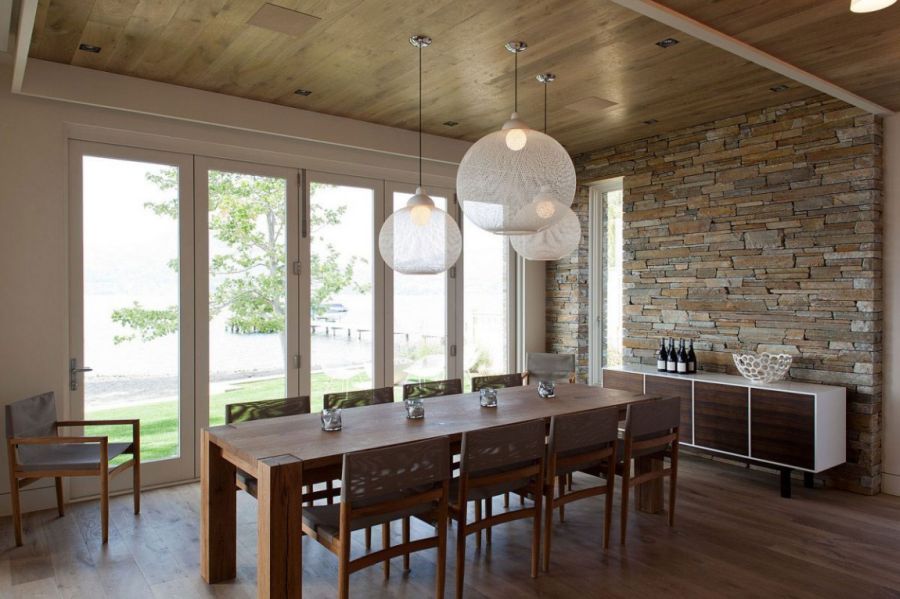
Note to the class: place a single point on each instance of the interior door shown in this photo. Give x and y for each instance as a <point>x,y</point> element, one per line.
<point>131,303</point>
<point>423,344</point>
<point>342,298</point>
<point>247,295</point>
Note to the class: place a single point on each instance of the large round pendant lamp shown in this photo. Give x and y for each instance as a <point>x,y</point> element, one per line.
<point>515,181</point>
<point>863,6</point>
<point>420,238</point>
<point>560,239</point>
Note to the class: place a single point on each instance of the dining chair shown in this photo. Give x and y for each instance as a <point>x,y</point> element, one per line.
<point>353,399</point>
<point>651,433</point>
<point>248,411</point>
<point>36,450</point>
<point>379,486</point>
<point>585,442</point>
<point>493,461</point>
<point>426,389</point>
<point>496,381</point>
<point>548,367</point>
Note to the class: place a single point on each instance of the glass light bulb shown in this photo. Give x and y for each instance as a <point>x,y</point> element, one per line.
<point>516,139</point>
<point>420,215</point>
<point>545,209</point>
<point>869,5</point>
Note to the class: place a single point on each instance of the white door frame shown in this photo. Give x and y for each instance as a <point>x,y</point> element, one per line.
<point>162,471</point>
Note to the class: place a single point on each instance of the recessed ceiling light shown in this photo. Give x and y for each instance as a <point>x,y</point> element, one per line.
<point>450,123</point>
<point>89,48</point>
<point>667,43</point>
<point>590,105</point>
<point>283,20</point>
<point>303,92</point>
<point>650,122</point>
<point>779,88</point>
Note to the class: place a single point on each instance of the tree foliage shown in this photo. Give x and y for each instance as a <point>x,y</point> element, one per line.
<point>247,270</point>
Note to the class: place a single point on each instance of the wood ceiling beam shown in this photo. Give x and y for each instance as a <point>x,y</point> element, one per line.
<point>698,30</point>
<point>27,13</point>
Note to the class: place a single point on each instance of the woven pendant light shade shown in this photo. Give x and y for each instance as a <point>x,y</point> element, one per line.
<point>419,239</point>
<point>497,185</point>
<point>553,243</point>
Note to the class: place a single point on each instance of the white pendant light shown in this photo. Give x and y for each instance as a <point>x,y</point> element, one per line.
<point>869,5</point>
<point>420,238</point>
<point>560,239</point>
<point>516,180</point>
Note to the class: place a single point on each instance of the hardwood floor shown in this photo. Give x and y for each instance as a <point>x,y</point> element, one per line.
<point>733,537</point>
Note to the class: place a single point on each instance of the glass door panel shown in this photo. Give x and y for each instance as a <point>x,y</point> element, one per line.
<point>130,312</point>
<point>420,335</point>
<point>485,303</point>
<point>342,285</point>
<point>249,308</point>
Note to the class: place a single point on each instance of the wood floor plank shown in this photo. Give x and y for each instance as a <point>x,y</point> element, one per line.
<point>734,537</point>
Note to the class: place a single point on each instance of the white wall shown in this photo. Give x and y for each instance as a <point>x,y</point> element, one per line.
<point>891,260</point>
<point>33,194</point>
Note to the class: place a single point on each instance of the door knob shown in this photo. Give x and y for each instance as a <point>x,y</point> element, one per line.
<point>74,369</point>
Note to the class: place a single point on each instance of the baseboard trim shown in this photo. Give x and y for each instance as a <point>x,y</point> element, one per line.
<point>890,483</point>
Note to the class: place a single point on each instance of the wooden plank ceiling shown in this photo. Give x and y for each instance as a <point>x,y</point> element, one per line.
<point>858,52</point>
<point>357,62</point>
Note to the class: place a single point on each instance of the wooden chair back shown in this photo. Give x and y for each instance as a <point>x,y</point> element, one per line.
<point>267,408</point>
<point>353,399</point>
<point>582,440</point>
<point>652,425</point>
<point>549,367</point>
<point>497,381</point>
<point>502,453</point>
<point>426,389</point>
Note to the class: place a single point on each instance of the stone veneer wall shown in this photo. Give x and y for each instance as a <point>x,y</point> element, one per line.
<point>756,232</point>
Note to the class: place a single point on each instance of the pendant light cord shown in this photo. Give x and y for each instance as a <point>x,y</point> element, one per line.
<point>515,82</point>
<point>420,116</point>
<point>545,108</point>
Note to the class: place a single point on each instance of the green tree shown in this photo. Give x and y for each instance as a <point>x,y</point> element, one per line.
<point>247,221</point>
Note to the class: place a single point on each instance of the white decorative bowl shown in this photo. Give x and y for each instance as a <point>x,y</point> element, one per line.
<point>764,367</point>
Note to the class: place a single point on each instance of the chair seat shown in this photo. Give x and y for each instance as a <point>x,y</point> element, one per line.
<point>479,493</point>
<point>69,456</point>
<point>636,453</point>
<point>325,519</point>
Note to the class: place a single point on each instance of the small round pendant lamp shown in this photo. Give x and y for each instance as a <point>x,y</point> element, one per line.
<point>516,180</point>
<point>420,238</point>
<point>560,239</point>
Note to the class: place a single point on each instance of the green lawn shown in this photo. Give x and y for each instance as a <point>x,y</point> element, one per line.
<point>159,421</point>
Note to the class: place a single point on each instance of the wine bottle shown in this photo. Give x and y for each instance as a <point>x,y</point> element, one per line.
<point>671,358</point>
<point>662,356</point>
<point>692,359</point>
<point>681,359</point>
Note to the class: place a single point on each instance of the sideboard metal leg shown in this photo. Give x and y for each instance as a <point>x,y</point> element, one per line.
<point>786,483</point>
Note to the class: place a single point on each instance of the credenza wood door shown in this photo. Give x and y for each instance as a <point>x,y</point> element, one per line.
<point>720,417</point>
<point>669,387</point>
<point>782,427</point>
<point>623,381</point>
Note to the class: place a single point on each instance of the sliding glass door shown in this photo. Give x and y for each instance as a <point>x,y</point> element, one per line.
<point>424,342</point>
<point>131,303</point>
<point>344,284</point>
<point>247,296</point>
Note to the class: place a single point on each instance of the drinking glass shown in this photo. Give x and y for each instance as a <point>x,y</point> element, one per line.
<point>415,409</point>
<point>546,389</point>
<point>488,397</point>
<point>331,419</point>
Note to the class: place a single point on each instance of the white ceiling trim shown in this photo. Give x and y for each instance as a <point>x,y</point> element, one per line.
<point>27,13</point>
<point>694,28</point>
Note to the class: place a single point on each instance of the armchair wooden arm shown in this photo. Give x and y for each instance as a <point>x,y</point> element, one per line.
<point>131,421</point>
<point>15,441</point>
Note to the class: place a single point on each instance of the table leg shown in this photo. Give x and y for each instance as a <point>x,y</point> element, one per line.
<point>218,514</point>
<point>648,497</point>
<point>278,564</point>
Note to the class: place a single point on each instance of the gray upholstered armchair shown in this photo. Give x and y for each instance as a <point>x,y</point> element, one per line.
<point>36,450</point>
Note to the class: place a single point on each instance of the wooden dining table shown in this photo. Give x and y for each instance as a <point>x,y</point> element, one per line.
<point>286,453</point>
